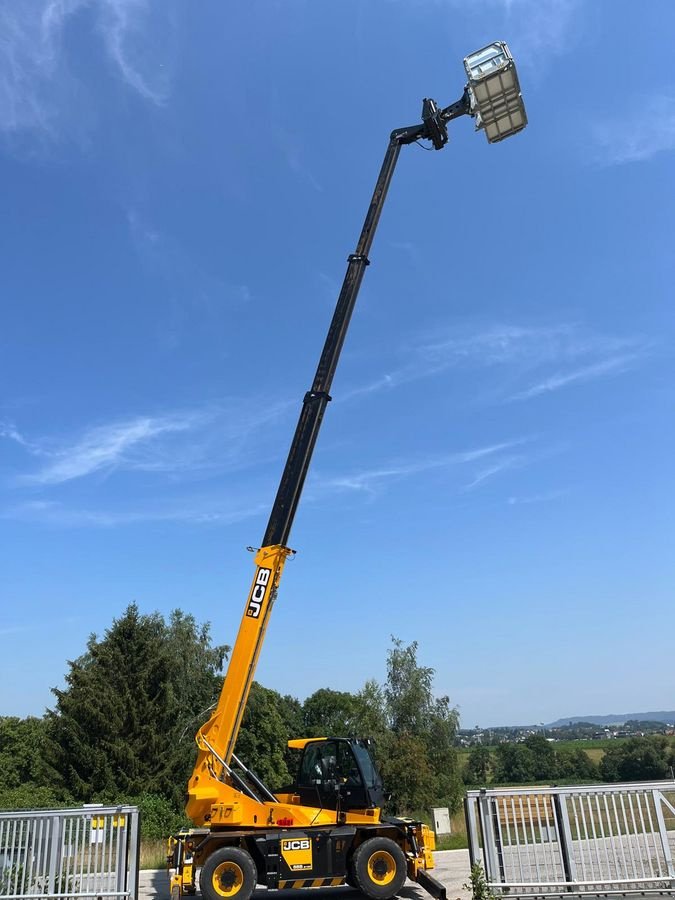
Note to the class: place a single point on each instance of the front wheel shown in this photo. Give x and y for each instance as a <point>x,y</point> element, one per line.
<point>379,868</point>
<point>228,873</point>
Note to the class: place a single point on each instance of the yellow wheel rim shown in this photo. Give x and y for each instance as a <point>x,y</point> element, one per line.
<point>381,867</point>
<point>227,879</point>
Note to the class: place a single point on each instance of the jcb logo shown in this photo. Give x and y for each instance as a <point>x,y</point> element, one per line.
<point>295,845</point>
<point>258,592</point>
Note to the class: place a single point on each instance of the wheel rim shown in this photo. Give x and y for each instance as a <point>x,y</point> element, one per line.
<point>227,879</point>
<point>381,867</point>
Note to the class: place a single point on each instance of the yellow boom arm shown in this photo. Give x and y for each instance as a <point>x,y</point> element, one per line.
<point>217,737</point>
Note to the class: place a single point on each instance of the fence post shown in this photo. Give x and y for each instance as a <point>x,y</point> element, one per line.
<point>658,798</point>
<point>470,819</point>
<point>54,852</point>
<point>565,838</point>
<point>134,854</point>
<point>489,838</point>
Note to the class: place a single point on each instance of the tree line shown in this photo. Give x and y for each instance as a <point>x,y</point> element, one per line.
<point>537,760</point>
<point>122,728</point>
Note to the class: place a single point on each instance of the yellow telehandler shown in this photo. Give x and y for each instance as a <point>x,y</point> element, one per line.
<point>328,827</point>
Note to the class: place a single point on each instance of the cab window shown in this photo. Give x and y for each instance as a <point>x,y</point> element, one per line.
<point>328,761</point>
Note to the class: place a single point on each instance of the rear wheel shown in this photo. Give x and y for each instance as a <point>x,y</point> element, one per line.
<point>379,868</point>
<point>228,874</point>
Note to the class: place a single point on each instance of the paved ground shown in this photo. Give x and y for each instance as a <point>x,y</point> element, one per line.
<point>452,869</point>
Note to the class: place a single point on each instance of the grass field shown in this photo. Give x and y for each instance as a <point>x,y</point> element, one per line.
<point>458,840</point>
<point>153,854</point>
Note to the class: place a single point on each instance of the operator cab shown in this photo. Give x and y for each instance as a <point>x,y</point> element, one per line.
<point>337,773</point>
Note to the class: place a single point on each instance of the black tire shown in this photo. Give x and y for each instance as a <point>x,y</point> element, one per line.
<point>228,874</point>
<point>379,868</point>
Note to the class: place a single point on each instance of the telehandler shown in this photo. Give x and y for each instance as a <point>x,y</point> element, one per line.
<point>328,827</point>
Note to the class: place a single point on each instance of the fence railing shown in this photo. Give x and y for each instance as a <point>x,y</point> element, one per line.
<point>69,853</point>
<point>600,839</point>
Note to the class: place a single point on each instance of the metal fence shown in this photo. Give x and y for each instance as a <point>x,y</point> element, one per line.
<point>70,853</point>
<point>601,839</point>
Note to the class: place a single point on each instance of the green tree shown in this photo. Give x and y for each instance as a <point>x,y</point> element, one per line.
<point>329,713</point>
<point>370,718</point>
<point>124,723</point>
<point>290,709</point>
<point>443,723</point>
<point>418,757</point>
<point>543,758</point>
<point>407,773</point>
<point>159,816</point>
<point>576,764</point>
<point>637,759</point>
<point>514,764</point>
<point>31,796</point>
<point>22,743</point>
<point>408,690</point>
<point>263,737</point>
<point>478,766</point>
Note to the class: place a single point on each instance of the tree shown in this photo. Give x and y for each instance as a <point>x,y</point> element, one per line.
<point>21,751</point>
<point>418,757</point>
<point>408,774</point>
<point>290,710</point>
<point>543,765</point>
<point>478,765</point>
<point>440,740</point>
<point>637,759</point>
<point>514,764</point>
<point>576,764</point>
<point>371,712</point>
<point>329,713</point>
<point>263,737</point>
<point>408,690</point>
<point>124,723</point>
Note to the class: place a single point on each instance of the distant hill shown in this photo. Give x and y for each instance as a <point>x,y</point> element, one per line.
<point>667,716</point>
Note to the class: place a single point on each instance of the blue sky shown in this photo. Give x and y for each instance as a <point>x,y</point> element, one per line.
<point>182,184</point>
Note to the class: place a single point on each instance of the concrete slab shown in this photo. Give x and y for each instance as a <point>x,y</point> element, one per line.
<point>452,870</point>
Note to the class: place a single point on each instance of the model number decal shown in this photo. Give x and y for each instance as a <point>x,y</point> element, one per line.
<point>258,592</point>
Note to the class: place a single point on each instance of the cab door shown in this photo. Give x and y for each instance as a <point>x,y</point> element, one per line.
<point>329,776</point>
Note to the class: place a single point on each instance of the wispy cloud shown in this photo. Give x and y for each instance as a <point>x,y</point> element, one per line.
<point>189,510</point>
<point>10,432</point>
<point>181,443</point>
<point>370,480</point>
<point>508,462</point>
<point>128,31</point>
<point>492,346</point>
<point>612,366</point>
<point>522,350</point>
<point>105,447</point>
<point>38,87</point>
<point>501,465</point>
<point>644,127</point>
